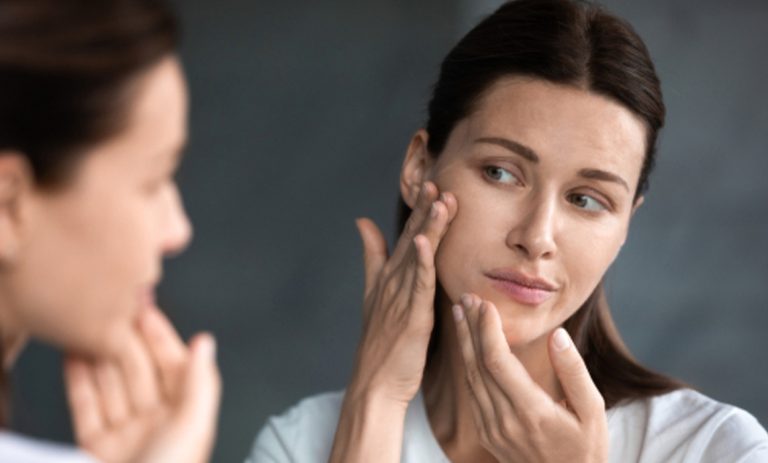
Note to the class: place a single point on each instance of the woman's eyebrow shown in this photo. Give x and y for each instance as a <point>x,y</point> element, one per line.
<point>513,146</point>
<point>529,154</point>
<point>598,174</point>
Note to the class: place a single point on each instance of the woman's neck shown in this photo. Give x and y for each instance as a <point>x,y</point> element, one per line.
<point>447,399</point>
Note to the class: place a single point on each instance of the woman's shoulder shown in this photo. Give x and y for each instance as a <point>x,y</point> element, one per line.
<point>304,432</point>
<point>685,425</point>
<point>20,449</point>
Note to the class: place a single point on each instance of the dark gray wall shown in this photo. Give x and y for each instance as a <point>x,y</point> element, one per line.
<point>301,112</point>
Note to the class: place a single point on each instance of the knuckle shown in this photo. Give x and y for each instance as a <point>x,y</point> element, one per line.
<point>534,420</point>
<point>424,283</point>
<point>508,427</point>
<point>574,367</point>
<point>386,269</point>
<point>473,377</point>
<point>485,440</point>
<point>391,288</point>
<point>496,437</point>
<point>410,224</point>
<point>493,362</point>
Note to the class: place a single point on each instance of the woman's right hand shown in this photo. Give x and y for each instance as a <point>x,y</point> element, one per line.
<point>397,325</point>
<point>399,300</point>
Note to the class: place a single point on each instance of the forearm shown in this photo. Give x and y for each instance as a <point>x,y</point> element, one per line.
<point>370,429</point>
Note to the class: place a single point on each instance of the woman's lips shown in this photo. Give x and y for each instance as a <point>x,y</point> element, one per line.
<point>520,287</point>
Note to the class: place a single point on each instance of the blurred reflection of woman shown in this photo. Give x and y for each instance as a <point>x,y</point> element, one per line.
<point>487,333</point>
<point>93,111</point>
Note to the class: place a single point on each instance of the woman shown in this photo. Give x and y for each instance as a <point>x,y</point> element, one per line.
<point>487,332</point>
<point>93,111</point>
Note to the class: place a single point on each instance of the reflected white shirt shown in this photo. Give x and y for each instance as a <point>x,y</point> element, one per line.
<point>679,427</point>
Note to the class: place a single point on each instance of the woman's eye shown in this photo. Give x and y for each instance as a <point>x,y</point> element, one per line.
<point>501,175</point>
<point>586,202</point>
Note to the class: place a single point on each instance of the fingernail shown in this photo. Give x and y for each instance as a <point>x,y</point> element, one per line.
<point>433,211</point>
<point>207,346</point>
<point>458,313</point>
<point>443,197</point>
<point>466,300</point>
<point>561,339</point>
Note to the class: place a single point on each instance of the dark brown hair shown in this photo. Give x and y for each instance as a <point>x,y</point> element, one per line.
<point>579,44</point>
<point>66,69</point>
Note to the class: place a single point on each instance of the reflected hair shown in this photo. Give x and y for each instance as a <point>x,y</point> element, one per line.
<point>577,44</point>
<point>67,69</point>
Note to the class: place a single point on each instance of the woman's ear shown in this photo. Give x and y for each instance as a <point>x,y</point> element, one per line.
<point>638,202</point>
<point>14,175</point>
<point>415,168</point>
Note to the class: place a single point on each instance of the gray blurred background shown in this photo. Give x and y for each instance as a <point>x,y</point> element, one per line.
<point>301,112</point>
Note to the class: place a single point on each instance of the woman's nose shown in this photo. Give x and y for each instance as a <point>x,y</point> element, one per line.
<point>177,232</point>
<point>533,235</point>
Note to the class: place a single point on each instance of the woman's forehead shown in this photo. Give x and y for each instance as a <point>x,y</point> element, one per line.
<point>552,118</point>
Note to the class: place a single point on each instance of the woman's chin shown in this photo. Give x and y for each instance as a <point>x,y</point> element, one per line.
<point>99,342</point>
<point>518,339</point>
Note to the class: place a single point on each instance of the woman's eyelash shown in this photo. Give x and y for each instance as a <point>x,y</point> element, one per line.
<point>588,202</point>
<point>500,174</point>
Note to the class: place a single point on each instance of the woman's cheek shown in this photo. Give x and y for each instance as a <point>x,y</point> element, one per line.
<point>456,258</point>
<point>447,268</point>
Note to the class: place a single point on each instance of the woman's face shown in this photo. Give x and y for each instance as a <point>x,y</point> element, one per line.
<point>90,255</point>
<point>545,177</point>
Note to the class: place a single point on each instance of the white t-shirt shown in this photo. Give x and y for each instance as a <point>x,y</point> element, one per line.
<point>15,448</point>
<point>681,426</point>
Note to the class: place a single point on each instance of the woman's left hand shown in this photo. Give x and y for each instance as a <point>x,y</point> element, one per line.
<point>516,419</point>
<point>157,401</point>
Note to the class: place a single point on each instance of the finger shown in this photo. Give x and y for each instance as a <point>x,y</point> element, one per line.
<point>166,348</point>
<point>580,391</point>
<point>82,397</point>
<point>199,408</point>
<point>470,356</point>
<point>112,393</point>
<point>433,227</point>
<point>503,366</point>
<point>436,225</point>
<point>374,251</point>
<point>140,375</point>
<point>423,295</point>
<point>427,195</point>
<point>451,203</point>
<point>493,354</point>
<point>463,333</point>
<point>415,223</point>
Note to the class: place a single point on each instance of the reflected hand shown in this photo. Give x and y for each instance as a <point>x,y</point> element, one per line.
<point>515,418</point>
<point>398,319</point>
<point>157,402</point>
<point>399,300</point>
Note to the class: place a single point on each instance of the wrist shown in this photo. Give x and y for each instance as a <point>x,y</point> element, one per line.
<point>376,397</point>
<point>370,427</point>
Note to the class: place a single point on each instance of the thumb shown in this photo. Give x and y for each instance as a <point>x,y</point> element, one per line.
<point>580,391</point>
<point>374,250</point>
<point>199,407</point>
